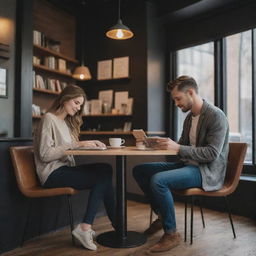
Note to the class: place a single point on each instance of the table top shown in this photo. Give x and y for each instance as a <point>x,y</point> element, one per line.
<point>124,151</point>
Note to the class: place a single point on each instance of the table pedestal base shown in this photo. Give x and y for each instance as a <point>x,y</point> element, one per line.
<point>110,239</point>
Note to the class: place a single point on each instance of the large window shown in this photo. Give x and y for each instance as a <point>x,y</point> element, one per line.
<point>197,62</point>
<point>239,88</point>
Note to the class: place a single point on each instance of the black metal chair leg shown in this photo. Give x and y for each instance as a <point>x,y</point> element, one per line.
<point>185,220</point>
<point>27,221</point>
<point>70,211</point>
<point>230,217</point>
<point>201,210</point>
<point>151,216</point>
<point>191,220</point>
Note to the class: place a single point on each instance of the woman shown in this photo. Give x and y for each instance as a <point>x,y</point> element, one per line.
<point>59,131</point>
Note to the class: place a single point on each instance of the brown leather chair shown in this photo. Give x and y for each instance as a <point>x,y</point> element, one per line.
<point>28,183</point>
<point>236,156</point>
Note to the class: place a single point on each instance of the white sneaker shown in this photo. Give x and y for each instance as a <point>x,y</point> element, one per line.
<point>85,237</point>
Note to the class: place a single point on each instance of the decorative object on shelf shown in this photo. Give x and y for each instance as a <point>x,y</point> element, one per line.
<point>121,67</point>
<point>121,99</point>
<point>82,72</point>
<point>104,70</point>
<point>3,83</point>
<point>119,31</point>
<point>4,51</point>
<point>106,98</point>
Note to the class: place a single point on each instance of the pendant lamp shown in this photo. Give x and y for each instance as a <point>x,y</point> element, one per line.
<point>119,31</point>
<point>82,72</point>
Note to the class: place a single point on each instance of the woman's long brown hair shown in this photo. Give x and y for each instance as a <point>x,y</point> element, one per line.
<point>73,122</point>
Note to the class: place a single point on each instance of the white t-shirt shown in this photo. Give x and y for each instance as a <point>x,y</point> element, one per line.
<point>192,132</point>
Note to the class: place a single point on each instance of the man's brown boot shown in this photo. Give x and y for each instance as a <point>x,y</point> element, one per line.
<point>154,227</point>
<point>166,243</point>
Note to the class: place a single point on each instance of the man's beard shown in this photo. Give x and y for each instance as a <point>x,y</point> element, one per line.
<point>188,107</point>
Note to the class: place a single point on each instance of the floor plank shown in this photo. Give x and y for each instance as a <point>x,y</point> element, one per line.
<point>215,240</point>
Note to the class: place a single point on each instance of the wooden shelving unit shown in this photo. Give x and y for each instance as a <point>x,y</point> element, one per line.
<point>59,26</point>
<point>51,70</point>
<point>39,50</point>
<point>46,91</point>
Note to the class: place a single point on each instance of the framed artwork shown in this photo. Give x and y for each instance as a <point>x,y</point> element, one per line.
<point>104,70</point>
<point>3,83</point>
<point>121,67</point>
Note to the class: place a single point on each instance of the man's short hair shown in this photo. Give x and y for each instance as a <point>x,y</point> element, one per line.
<point>182,83</point>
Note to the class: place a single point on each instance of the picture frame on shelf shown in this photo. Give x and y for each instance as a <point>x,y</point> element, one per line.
<point>104,70</point>
<point>121,67</point>
<point>3,83</point>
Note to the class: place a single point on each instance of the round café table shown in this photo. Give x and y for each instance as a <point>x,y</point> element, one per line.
<point>121,238</point>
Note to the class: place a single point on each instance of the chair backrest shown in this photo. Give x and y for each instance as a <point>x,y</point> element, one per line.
<point>236,156</point>
<point>24,168</point>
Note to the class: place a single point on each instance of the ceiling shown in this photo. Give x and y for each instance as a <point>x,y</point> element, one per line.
<point>168,10</point>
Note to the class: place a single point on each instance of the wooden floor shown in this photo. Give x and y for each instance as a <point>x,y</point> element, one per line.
<point>215,240</point>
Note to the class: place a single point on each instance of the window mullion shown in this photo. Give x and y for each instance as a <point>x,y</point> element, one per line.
<point>253,96</point>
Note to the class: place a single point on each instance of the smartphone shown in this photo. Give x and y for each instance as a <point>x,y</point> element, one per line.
<point>139,134</point>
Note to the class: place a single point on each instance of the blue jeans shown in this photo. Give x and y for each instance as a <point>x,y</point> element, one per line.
<point>158,179</point>
<point>96,177</point>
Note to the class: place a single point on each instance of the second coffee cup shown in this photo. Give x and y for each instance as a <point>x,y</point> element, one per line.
<point>116,142</point>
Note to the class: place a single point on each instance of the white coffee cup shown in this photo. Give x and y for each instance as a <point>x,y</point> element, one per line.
<point>116,142</point>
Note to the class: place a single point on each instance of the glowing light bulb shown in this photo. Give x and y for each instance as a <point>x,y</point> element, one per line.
<point>119,33</point>
<point>81,76</point>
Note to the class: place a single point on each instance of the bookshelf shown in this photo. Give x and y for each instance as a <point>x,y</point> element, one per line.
<point>54,44</point>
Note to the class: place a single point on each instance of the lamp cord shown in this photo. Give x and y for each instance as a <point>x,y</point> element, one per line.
<point>82,36</point>
<point>119,10</point>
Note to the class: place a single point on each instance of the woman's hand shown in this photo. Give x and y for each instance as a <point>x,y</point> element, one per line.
<point>91,144</point>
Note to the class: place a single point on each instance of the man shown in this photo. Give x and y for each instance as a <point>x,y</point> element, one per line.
<point>203,152</point>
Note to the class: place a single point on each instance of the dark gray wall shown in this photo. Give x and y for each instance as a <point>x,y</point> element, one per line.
<point>7,36</point>
<point>156,84</point>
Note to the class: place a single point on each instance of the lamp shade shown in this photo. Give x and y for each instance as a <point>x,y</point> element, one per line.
<point>119,31</point>
<point>82,73</point>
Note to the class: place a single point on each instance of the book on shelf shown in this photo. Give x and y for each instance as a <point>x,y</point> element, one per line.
<point>36,60</point>
<point>34,79</point>
<point>129,106</point>
<point>51,84</point>
<point>127,126</point>
<point>96,107</point>
<point>62,65</point>
<point>37,37</point>
<point>58,86</point>
<point>50,62</point>
<point>36,111</point>
<point>39,82</point>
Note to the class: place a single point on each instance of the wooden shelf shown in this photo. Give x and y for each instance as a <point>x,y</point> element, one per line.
<point>46,91</point>
<point>105,133</point>
<point>45,51</point>
<point>51,70</point>
<point>106,115</point>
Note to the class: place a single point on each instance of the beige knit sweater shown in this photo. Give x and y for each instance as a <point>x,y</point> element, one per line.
<point>51,140</point>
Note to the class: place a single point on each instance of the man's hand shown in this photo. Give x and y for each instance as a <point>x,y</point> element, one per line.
<point>167,144</point>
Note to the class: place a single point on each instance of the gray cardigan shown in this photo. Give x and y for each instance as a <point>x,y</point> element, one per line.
<point>211,151</point>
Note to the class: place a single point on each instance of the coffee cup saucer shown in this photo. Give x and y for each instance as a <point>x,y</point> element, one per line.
<point>117,147</point>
